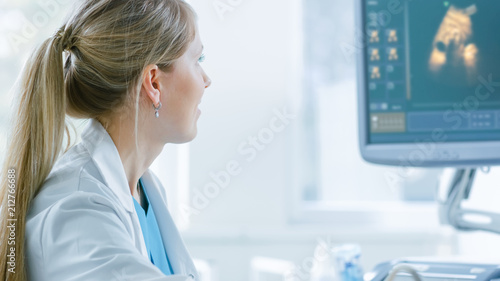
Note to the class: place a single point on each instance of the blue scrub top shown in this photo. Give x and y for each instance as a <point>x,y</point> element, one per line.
<point>152,236</point>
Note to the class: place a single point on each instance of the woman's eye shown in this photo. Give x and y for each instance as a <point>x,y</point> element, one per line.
<point>202,58</point>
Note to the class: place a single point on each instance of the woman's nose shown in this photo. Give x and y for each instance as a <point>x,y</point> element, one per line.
<point>208,82</point>
<point>207,79</point>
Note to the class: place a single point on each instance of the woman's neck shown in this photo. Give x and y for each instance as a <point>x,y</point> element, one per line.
<point>135,162</point>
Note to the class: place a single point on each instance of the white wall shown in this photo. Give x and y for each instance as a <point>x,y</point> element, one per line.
<point>248,59</point>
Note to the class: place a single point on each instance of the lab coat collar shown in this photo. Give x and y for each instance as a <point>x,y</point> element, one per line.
<point>182,263</point>
<point>103,151</point>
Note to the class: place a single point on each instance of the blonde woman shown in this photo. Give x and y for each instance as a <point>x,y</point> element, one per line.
<point>94,211</point>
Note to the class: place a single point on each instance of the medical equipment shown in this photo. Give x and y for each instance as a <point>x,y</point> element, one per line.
<point>428,74</point>
<point>422,270</point>
<point>428,78</point>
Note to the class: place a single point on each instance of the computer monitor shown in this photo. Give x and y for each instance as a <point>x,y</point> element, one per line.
<point>429,82</point>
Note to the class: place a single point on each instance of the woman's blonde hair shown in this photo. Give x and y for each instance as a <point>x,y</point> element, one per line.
<point>107,45</point>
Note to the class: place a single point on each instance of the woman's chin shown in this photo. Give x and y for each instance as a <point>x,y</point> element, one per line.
<point>187,137</point>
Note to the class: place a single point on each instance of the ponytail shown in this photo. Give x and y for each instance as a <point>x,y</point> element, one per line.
<point>34,144</point>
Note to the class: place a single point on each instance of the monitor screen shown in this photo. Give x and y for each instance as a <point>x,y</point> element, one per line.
<point>429,82</point>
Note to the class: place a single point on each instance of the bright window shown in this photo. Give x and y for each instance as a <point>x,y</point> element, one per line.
<point>332,182</point>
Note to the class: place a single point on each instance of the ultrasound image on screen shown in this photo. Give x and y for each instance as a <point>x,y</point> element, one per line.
<point>451,44</point>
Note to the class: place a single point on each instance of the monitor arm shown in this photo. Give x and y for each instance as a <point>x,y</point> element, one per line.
<point>454,187</point>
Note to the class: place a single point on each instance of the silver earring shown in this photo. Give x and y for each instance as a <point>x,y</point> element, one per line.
<point>156,109</point>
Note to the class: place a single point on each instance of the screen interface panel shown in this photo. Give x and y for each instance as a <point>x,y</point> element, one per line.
<point>432,68</point>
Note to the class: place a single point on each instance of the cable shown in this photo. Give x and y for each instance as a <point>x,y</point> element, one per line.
<point>403,267</point>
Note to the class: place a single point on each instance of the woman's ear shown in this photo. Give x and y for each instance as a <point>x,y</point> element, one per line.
<point>151,83</point>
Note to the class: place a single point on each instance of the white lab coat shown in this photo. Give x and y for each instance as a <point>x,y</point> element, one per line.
<point>82,225</point>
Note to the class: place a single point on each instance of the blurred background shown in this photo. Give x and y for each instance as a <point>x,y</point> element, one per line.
<point>275,168</point>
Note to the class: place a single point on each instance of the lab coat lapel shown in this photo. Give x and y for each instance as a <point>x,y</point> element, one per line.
<point>179,258</point>
<point>105,155</point>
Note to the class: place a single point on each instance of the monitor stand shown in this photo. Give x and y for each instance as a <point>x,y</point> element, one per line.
<point>454,187</point>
